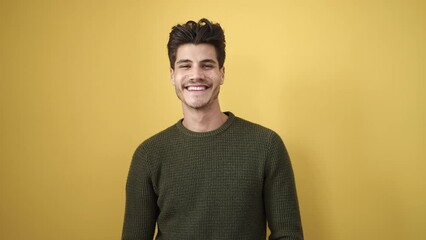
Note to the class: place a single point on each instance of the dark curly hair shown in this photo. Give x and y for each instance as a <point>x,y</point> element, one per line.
<point>202,32</point>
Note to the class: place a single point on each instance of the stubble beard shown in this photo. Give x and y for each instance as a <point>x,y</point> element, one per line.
<point>199,104</point>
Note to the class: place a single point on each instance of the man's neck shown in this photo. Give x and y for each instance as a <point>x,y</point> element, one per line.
<point>203,120</point>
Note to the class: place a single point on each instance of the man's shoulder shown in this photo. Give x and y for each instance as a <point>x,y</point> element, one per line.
<point>254,132</point>
<point>252,127</point>
<point>159,139</point>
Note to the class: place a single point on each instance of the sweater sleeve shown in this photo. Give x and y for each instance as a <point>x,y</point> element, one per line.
<point>280,197</point>
<point>141,201</point>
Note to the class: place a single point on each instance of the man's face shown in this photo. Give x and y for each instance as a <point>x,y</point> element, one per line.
<point>197,76</point>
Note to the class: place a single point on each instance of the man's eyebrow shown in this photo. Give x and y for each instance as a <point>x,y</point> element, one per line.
<point>183,61</point>
<point>189,61</point>
<point>208,61</point>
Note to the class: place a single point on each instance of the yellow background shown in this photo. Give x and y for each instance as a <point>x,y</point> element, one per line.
<point>343,82</point>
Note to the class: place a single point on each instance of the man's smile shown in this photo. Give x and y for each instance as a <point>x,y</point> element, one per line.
<point>192,88</point>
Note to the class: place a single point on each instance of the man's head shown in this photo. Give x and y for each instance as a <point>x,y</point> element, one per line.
<point>197,33</point>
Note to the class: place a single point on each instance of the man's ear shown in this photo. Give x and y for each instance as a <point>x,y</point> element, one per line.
<point>222,75</point>
<point>172,76</point>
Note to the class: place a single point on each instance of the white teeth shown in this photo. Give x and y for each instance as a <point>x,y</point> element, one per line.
<point>196,88</point>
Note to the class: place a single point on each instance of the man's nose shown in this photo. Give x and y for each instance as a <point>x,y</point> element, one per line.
<point>197,73</point>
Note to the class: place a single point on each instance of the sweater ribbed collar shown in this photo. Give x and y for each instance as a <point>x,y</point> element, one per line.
<point>184,130</point>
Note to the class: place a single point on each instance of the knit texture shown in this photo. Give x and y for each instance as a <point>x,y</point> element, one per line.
<point>223,184</point>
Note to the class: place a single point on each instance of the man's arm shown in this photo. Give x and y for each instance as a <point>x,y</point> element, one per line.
<point>141,201</point>
<point>281,204</point>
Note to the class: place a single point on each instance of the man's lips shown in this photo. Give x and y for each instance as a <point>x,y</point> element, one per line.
<point>196,87</point>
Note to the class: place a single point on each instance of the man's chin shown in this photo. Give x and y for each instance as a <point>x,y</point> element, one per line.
<point>196,104</point>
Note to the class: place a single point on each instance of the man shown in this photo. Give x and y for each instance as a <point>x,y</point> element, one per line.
<point>211,175</point>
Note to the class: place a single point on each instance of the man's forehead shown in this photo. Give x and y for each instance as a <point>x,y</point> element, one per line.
<point>190,50</point>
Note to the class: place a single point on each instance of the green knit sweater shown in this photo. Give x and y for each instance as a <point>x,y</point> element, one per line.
<point>223,184</point>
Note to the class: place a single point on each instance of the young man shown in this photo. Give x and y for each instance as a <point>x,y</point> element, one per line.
<point>211,175</point>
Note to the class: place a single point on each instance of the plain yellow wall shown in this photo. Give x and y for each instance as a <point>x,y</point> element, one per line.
<point>343,82</point>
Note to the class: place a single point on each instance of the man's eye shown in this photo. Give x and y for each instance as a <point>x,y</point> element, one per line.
<point>208,66</point>
<point>184,66</point>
